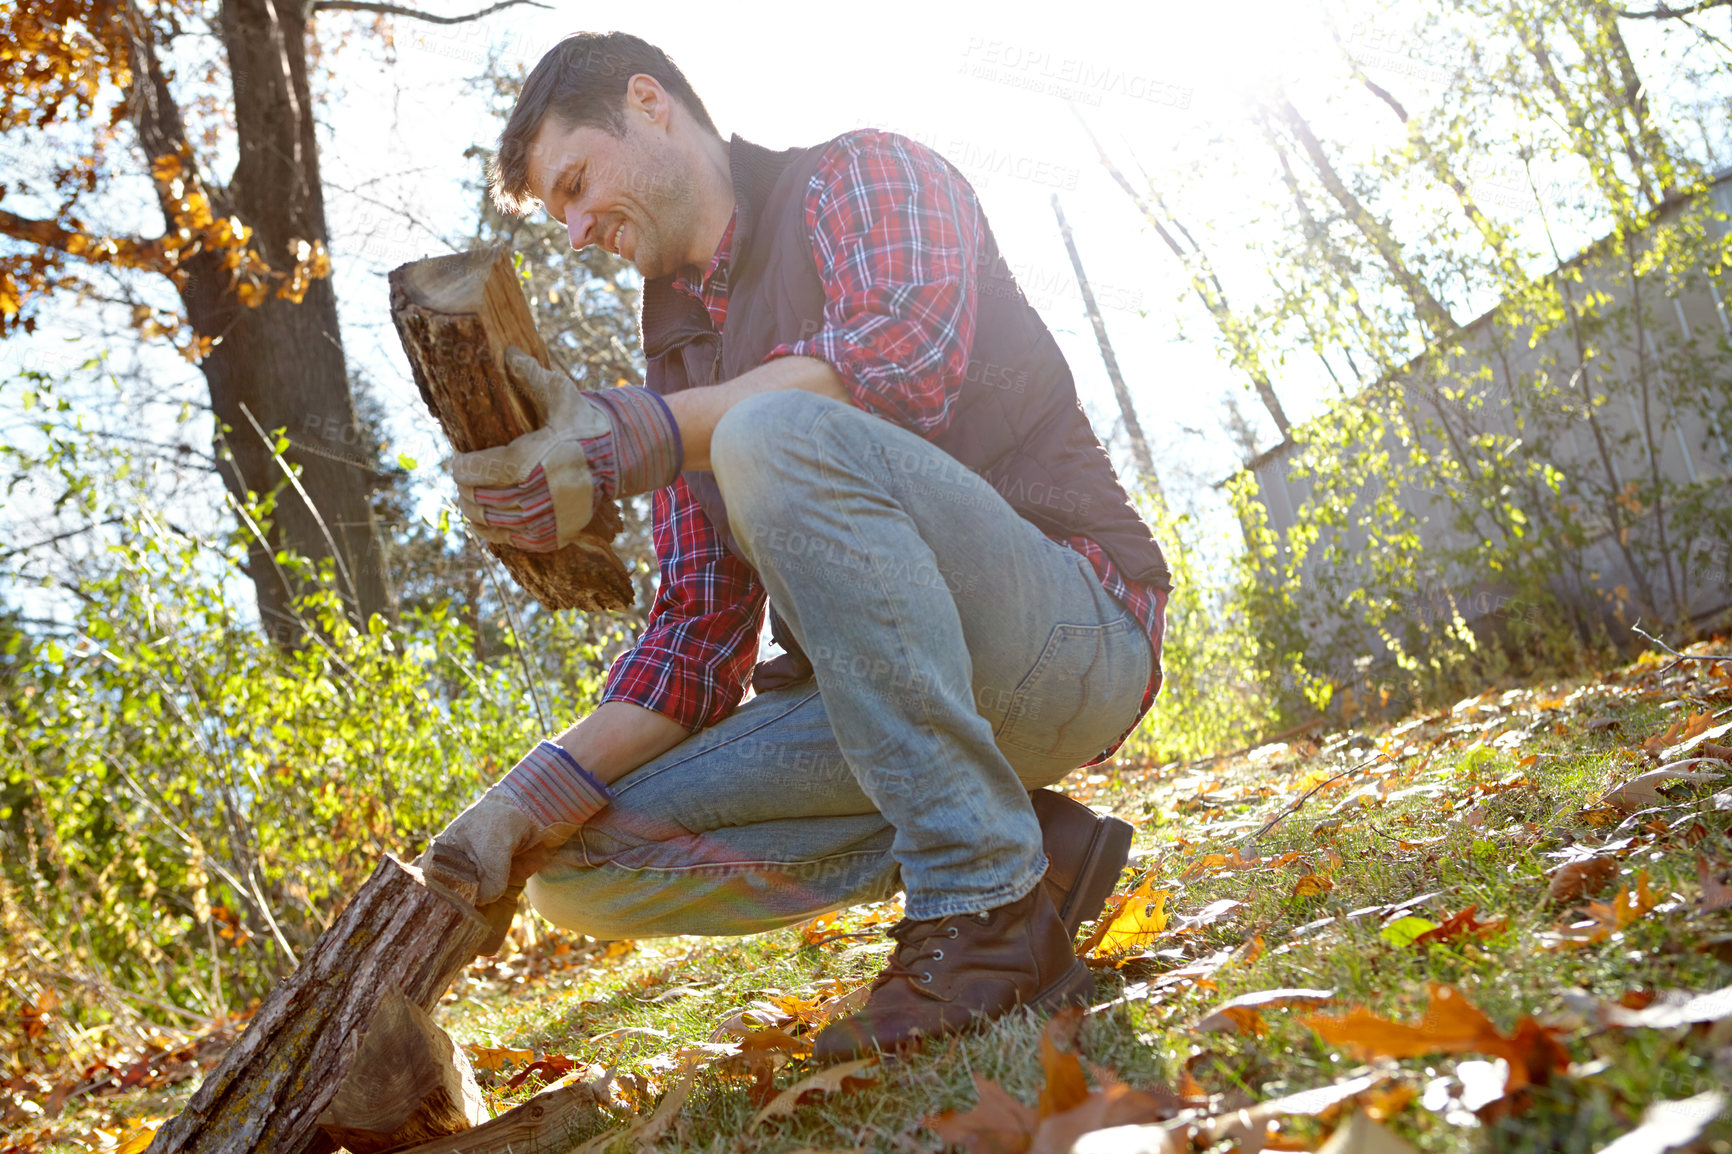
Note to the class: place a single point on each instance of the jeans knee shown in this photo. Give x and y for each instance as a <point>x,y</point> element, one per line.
<point>561,896</point>
<point>764,453</point>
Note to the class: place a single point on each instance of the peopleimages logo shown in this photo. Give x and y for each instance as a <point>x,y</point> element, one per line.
<point>1070,77</point>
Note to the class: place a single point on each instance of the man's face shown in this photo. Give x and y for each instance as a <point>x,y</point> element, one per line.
<point>628,194</point>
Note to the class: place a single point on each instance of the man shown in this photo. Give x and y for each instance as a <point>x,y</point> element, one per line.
<point>838,417</point>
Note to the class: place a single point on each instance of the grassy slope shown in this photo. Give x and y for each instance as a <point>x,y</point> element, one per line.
<point>1466,803</point>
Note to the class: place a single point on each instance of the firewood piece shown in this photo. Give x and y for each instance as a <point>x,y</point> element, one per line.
<point>546,1124</point>
<point>400,931</point>
<point>407,1083</point>
<point>456,316</point>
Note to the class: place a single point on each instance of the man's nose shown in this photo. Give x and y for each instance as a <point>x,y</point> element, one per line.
<point>578,224</point>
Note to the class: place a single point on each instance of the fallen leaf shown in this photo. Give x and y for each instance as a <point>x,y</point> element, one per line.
<point>1065,1086</point>
<point>1404,931</point>
<point>1113,1106</point>
<point>831,1080</point>
<point>998,1124</point>
<point>1580,878</point>
<point>495,1058</point>
<point>1451,1025</point>
<point>1601,919</point>
<point>1644,792</point>
<point>1249,1127</point>
<point>1140,915</point>
<point>1672,1008</point>
<point>136,1138</point>
<point>1241,1014</point>
<point>1666,1125</point>
<point>1360,1135</point>
<point>775,1040</point>
<point>1681,730</point>
<point>1311,885</point>
<point>1464,924</point>
<point>551,1067</point>
<point>1716,881</point>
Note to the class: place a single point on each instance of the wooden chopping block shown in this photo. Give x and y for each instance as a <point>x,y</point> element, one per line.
<point>456,316</point>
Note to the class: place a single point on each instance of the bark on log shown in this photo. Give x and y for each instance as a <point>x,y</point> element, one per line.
<point>456,315</point>
<point>407,1083</point>
<point>546,1124</point>
<point>401,930</point>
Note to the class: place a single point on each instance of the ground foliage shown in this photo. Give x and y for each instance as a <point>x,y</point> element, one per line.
<point>1507,923</point>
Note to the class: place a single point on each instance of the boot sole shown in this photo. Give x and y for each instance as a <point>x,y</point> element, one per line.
<point>1109,849</point>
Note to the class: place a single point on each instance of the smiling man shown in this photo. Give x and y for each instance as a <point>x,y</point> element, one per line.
<point>837,421</point>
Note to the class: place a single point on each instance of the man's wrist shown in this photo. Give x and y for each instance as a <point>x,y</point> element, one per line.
<point>551,787</point>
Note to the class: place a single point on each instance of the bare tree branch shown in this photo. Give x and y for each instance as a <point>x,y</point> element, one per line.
<point>413,13</point>
<point>1665,12</point>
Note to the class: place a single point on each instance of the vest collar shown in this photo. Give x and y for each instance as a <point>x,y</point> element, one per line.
<point>670,317</point>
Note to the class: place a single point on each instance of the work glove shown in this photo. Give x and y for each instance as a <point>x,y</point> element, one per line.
<point>517,826</point>
<point>539,491</point>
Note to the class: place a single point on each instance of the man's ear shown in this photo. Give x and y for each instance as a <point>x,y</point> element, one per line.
<point>645,97</point>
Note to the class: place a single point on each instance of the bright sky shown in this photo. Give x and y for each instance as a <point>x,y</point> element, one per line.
<point>993,92</point>
<point>1163,85</point>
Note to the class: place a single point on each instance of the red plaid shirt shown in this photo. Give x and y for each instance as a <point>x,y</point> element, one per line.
<point>896,234</point>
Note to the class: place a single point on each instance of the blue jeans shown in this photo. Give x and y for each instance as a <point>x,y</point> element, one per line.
<point>961,658</point>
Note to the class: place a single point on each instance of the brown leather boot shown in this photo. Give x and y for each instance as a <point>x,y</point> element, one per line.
<point>1086,852</point>
<point>954,974</point>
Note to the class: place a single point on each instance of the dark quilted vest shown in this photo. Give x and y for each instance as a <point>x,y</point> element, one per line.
<point>1016,422</point>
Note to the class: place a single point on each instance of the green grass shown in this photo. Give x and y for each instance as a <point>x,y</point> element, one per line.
<point>1451,809</point>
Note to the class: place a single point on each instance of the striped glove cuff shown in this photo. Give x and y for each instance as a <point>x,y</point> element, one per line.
<point>645,445</point>
<point>552,788</point>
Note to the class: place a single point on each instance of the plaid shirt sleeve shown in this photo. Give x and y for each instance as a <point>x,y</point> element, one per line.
<point>896,232</point>
<point>692,662</point>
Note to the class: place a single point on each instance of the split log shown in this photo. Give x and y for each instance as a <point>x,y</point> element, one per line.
<point>407,1083</point>
<point>546,1124</point>
<point>456,316</point>
<point>402,931</point>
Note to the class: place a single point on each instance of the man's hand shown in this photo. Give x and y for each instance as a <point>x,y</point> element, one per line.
<point>539,492</point>
<point>517,826</point>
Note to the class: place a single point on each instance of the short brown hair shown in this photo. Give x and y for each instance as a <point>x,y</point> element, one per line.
<point>581,83</point>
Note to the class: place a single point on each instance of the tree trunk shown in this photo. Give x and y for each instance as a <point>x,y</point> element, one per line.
<point>1127,409</point>
<point>283,361</point>
<point>1432,314</point>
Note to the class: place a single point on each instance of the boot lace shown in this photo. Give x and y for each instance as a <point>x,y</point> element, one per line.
<point>918,945</point>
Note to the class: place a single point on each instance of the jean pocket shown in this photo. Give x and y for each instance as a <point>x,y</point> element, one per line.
<point>1081,694</point>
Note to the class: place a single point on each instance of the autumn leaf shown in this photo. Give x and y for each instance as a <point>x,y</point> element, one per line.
<point>833,1080</point>
<point>1672,1008</point>
<point>1669,1125</point>
<point>1716,882</point>
<point>1643,792</point>
<point>1681,730</point>
<point>1311,885</point>
<point>1602,919</point>
<point>1580,878</point>
<point>998,1124</point>
<point>493,1059</point>
<point>1249,1127</point>
<point>1464,924</point>
<point>1242,1014</point>
<point>1140,915</point>
<point>1451,1025</point>
<point>136,1138</point>
<point>551,1067</point>
<point>774,1040</point>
